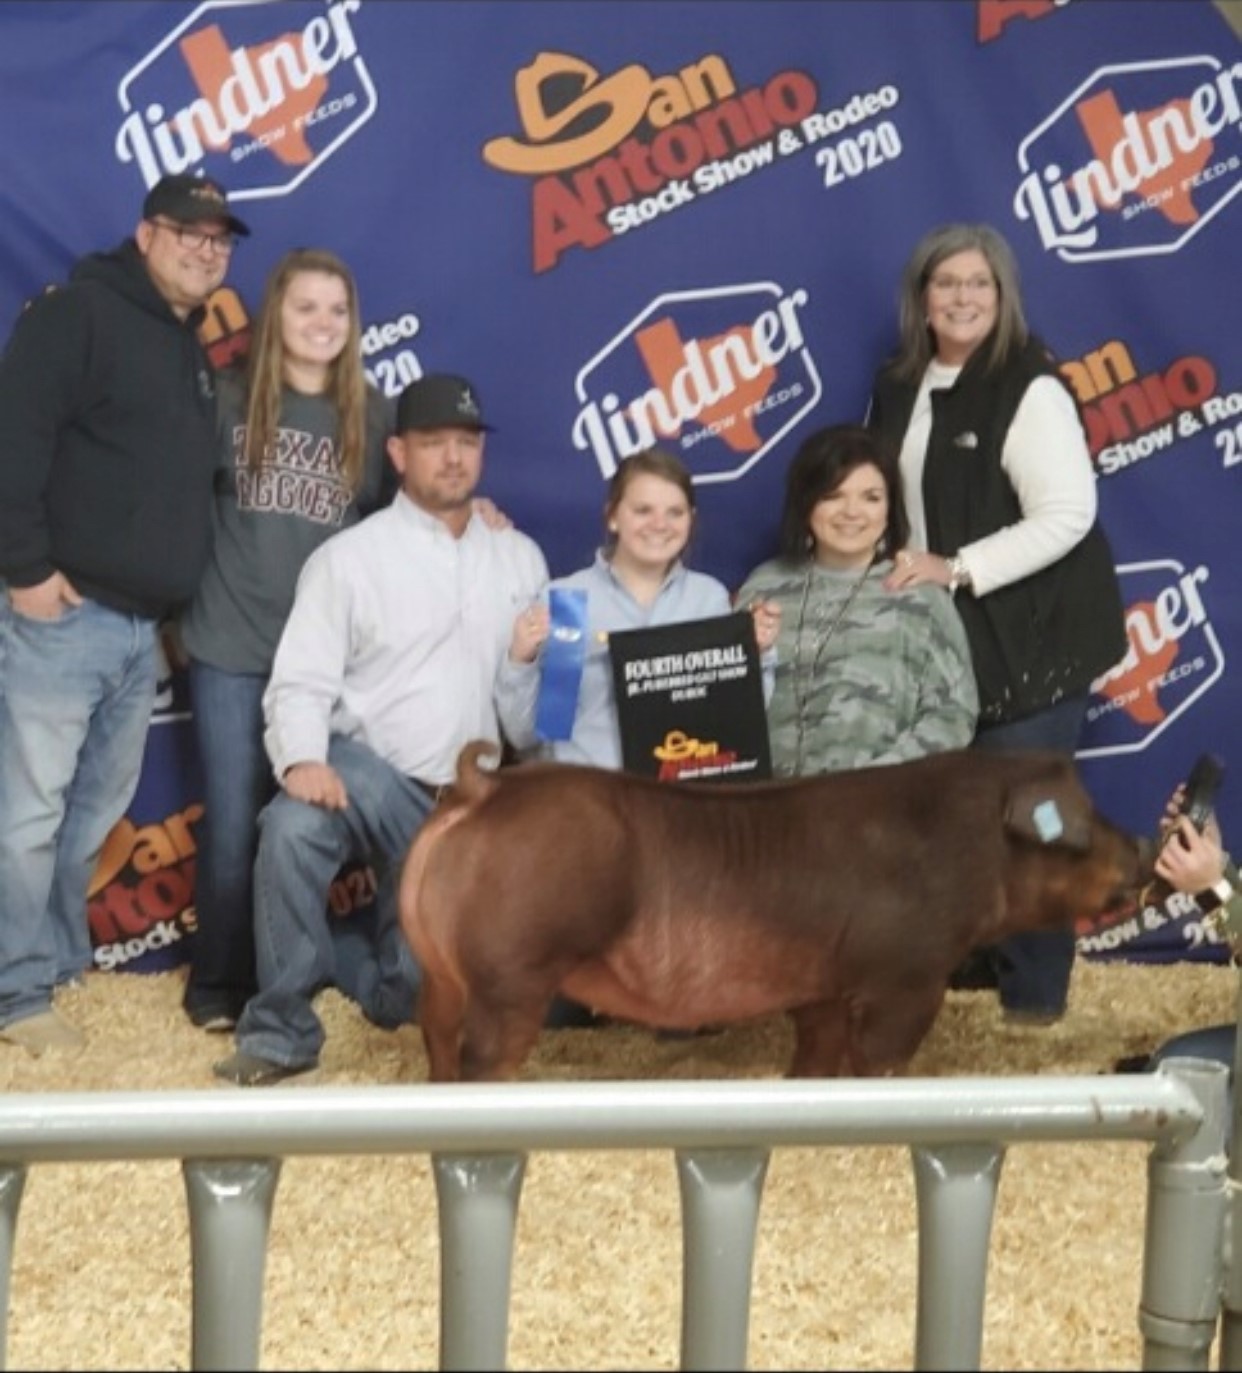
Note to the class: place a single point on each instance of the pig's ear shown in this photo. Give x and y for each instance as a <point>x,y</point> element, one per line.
<point>1049,812</point>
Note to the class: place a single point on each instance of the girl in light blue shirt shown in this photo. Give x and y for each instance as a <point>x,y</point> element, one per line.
<point>637,580</point>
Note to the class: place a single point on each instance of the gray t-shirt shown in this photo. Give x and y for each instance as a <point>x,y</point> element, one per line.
<point>266,524</point>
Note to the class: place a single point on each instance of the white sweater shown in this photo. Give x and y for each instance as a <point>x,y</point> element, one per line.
<point>1046,459</point>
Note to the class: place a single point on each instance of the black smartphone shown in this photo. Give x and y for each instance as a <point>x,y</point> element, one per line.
<point>1201,788</point>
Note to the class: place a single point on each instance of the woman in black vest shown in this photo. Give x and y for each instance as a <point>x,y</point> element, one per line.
<point>1001,495</point>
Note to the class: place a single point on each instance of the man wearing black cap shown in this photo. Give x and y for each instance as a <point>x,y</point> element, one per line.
<point>386,667</point>
<point>107,450</point>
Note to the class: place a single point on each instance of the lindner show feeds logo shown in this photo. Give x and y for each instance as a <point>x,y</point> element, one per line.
<point>722,374</point>
<point>260,94</point>
<point>1172,659</point>
<point>612,154</point>
<point>1136,161</point>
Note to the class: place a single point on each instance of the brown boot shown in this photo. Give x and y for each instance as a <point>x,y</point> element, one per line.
<point>42,1031</point>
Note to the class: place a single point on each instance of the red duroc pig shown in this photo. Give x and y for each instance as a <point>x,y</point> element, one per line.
<point>845,899</point>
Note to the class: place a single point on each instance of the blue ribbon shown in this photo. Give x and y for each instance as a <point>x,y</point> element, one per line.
<point>564,654</point>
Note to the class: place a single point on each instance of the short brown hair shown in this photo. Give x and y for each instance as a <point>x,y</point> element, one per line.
<point>820,465</point>
<point>650,462</point>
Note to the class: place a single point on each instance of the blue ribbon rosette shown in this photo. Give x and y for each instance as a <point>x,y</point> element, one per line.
<point>564,655</point>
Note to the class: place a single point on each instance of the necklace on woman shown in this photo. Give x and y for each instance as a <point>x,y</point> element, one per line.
<point>803,685</point>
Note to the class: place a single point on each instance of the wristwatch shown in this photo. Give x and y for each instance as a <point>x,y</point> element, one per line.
<point>959,573</point>
<point>1211,898</point>
<point>1221,914</point>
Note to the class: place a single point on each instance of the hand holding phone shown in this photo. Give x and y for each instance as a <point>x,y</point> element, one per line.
<point>1201,788</point>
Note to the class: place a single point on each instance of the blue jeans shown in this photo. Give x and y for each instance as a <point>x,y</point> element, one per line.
<point>237,784</point>
<point>301,849</point>
<point>1033,968</point>
<point>75,703</point>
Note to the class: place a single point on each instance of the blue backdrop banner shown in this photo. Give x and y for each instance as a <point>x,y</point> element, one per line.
<point>674,220</point>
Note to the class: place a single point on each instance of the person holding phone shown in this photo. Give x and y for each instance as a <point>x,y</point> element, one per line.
<point>1194,860</point>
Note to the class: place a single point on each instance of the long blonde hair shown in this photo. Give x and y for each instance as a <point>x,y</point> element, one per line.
<point>265,371</point>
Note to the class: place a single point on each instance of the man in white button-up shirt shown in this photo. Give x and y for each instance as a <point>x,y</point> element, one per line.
<point>386,667</point>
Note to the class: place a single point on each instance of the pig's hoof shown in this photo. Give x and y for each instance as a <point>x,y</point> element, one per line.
<point>248,1070</point>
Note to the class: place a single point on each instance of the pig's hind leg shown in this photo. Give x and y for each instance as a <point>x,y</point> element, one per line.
<point>856,1037</point>
<point>498,1038</point>
<point>820,1032</point>
<point>886,1031</point>
<point>441,1011</point>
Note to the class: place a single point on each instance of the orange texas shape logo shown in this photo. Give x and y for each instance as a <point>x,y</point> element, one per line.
<point>1136,687</point>
<point>993,15</point>
<point>211,64</point>
<point>664,355</point>
<point>1167,186</point>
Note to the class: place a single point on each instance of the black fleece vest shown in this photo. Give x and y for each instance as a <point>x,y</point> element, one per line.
<point>1048,635</point>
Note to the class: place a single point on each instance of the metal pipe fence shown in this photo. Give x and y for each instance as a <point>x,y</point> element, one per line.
<point>231,1147</point>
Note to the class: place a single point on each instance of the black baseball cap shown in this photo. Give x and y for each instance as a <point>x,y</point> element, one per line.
<point>439,401</point>
<point>188,199</point>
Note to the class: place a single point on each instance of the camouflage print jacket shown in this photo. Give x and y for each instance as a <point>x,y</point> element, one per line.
<point>891,681</point>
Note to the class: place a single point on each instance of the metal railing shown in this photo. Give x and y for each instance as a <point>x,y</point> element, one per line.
<point>231,1147</point>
